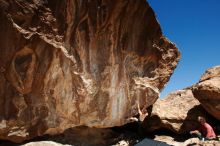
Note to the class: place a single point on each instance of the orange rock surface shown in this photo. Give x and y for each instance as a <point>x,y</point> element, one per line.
<point>66,63</point>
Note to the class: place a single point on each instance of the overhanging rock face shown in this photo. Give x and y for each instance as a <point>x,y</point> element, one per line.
<point>65,63</point>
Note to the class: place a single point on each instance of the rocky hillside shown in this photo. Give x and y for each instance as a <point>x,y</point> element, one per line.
<point>179,110</point>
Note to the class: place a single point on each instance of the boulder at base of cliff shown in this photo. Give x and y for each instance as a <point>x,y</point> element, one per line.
<point>207,91</point>
<point>177,112</point>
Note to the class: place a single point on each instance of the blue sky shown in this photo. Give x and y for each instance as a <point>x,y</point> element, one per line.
<point>194,26</point>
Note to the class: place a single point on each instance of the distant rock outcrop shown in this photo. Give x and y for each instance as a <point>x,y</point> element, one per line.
<point>177,112</point>
<point>65,63</point>
<point>207,91</point>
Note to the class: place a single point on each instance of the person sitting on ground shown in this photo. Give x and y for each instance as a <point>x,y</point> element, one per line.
<point>205,131</point>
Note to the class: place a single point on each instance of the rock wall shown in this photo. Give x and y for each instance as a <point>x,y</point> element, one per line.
<point>65,63</point>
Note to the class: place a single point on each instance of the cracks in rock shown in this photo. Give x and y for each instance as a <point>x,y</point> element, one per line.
<point>28,35</point>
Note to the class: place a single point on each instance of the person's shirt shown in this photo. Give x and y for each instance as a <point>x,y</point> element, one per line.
<point>207,131</point>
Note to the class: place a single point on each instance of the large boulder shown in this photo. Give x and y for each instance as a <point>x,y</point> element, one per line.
<point>66,63</point>
<point>207,91</point>
<point>177,112</point>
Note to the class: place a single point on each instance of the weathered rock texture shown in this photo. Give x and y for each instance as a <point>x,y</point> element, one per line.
<point>207,91</point>
<point>177,112</point>
<point>65,63</point>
